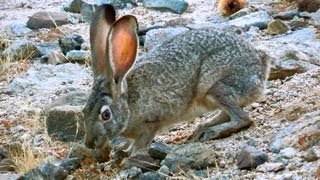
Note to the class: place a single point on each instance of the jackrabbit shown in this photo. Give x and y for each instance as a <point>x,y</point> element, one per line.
<point>194,73</point>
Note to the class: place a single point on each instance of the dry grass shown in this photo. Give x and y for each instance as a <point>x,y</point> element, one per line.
<point>9,68</point>
<point>26,159</point>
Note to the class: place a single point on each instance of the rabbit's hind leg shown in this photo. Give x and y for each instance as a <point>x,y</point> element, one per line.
<point>231,119</point>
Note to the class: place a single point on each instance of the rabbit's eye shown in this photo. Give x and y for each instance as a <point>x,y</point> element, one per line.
<point>106,114</point>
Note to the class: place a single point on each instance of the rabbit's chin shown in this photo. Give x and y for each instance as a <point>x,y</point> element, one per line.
<point>100,142</point>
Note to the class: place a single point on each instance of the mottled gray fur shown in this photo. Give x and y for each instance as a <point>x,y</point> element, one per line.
<point>193,73</point>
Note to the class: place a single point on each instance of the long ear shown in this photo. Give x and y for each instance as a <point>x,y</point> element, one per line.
<point>123,44</point>
<point>101,23</point>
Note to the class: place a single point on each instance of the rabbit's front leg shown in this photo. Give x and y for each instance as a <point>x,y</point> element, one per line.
<point>141,142</point>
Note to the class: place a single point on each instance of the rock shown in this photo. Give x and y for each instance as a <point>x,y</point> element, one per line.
<point>270,167</point>
<point>57,57</point>
<point>79,56</point>
<point>164,170</point>
<point>308,5</point>
<point>286,69</point>
<point>132,173</point>
<point>45,19</point>
<point>190,156</point>
<point>288,153</point>
<point>176,6</point>
<point>78,98</point>
<point>301,133</point>
<point>259,19</point>
<point>158,36</point>
<point>64,123</point>
<point>18,29</point>
<point>240,13</point>
<point>316,18</point>
<point>305,15</point>
<point>70,164</point>
<point>159,150</point>
<point>21,50</point>
<point>48,81</point>
<point>143,161</point>
<point>297,23</point>
<point>276,27</point>
<point>120,143</point>
<point>118,4</point>
<point>310,155</point>
<point>288,15</point>
<point>47,48</point>
<point>9,176</point>
<point>70,42</point>
<point>291,53</point>
<point>87,11</point>
<point>151,175</point>
<point>250,157</point>
<point>73,6</point>
<point>46,171</point>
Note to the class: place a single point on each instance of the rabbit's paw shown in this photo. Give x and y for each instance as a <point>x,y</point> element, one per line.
<point>219,131</point>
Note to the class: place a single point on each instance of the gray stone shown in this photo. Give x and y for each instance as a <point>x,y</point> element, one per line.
<point>45,19</point>
<point>21,50</point>
<point>132,173</point>
<point>316,18</point>
<point>176,6</point>
<point>305,15</point>
<point>159,150</point>
<point>287,15</point>
<point>46,48</point>
<point>18,29</point>
<point>73,6</point>
<point>47,81</point>
<point>288,153</point>
<point>276,27</point>
<point>9,176</point>
<point>286,68</point>
<point>151,176</point>
<point>190,156</point>
<point>46,171</point>
<point>70,42</point>
<point>259,19</point>
<point>310,155</point>
<point>292,53</point>
<point>70,164</point>
<point>240,13</point>
<point>57,57</point>
<point>164,170</point>
<point>158,36</point>
<point>87,12</point>
<point>79,56</point>
<point>249,157</point>
<point>64,123</point>
<point>297,23</point>
<point>143,161</point>
<point>118,4</point>
<point>270,167</point>
<point>288,136</point>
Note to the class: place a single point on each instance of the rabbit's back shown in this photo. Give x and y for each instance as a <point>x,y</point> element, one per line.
<point>167,80</point>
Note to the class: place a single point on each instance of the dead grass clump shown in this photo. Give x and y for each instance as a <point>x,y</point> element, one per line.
<point>25,159</point>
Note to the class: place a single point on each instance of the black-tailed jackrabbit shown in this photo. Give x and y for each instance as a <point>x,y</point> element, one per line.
<point>193,73</point>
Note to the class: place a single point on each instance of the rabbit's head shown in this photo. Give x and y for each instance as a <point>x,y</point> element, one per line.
<point>114,48</point>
